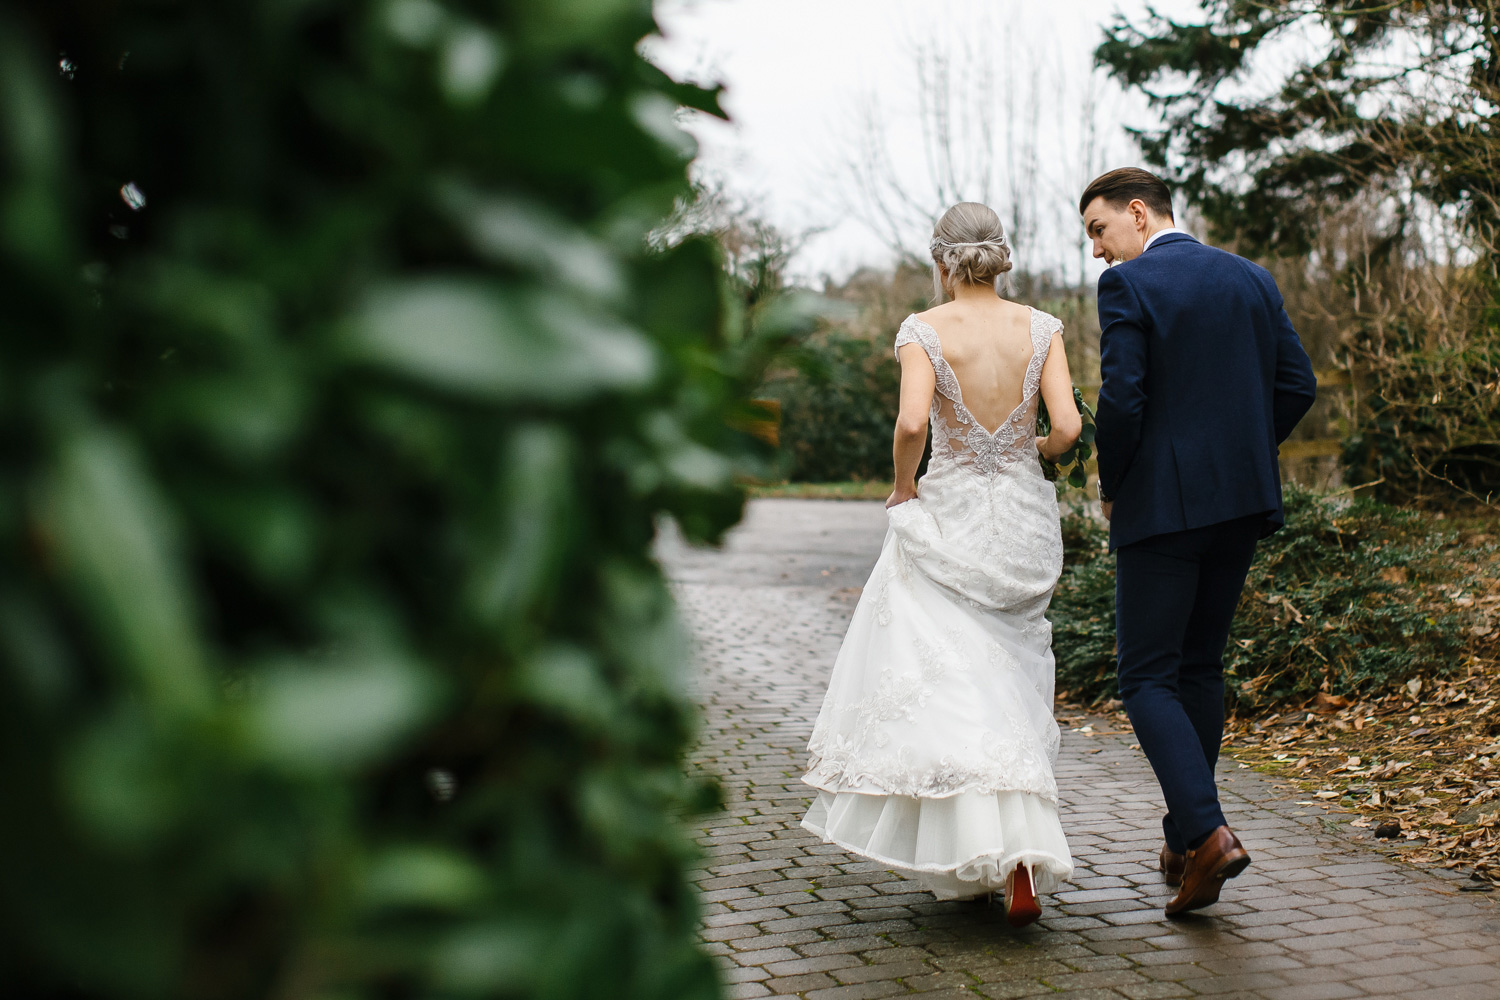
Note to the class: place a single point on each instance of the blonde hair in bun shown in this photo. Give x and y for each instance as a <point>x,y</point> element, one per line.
<point>968,244</point>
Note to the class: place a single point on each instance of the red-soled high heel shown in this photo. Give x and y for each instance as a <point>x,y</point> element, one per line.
<point>1021,907</point>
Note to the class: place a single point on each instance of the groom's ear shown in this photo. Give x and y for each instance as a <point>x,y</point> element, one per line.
<point>1140,214</point>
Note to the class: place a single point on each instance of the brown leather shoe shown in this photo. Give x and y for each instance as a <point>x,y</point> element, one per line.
<point>1172,865</point>
<point>1220,857</point>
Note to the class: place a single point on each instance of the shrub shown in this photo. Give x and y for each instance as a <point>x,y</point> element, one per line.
<point>838,409</point>
<point>1339,601</point>
<point>1343,599</point>
<point>339,398</point>
<point>1429,423</point>
<point>1083,612</point>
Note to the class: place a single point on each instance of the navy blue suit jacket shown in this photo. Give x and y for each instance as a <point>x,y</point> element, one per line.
<point>1203,377</point>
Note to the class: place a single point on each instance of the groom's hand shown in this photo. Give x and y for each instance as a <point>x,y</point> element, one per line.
<point>1108,506</point>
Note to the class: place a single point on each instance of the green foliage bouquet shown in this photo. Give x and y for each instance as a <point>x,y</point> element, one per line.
<point>1071,467</point>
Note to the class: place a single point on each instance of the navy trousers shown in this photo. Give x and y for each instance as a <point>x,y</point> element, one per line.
<point>1175,596</point>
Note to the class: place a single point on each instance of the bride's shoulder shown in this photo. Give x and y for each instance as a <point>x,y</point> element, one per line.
<point>944,317</point>
<point>917,326</point>
<point>911,322</point>
<point>927,316</point>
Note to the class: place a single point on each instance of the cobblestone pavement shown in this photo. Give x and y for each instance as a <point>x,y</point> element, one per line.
<point>1316,916</point>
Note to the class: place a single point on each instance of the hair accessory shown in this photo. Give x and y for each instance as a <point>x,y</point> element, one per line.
<point>982,243</point>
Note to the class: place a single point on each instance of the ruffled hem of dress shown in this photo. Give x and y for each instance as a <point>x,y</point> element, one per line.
<point>881,789</point>
<point>955,848</point>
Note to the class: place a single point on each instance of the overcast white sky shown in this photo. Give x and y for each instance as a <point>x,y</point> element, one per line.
<point>800,75</point>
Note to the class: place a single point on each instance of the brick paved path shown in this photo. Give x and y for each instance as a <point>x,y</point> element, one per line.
<point>1315,916</point>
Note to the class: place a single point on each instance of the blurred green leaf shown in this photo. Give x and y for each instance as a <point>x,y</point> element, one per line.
<point>564,23</point>
<point>273,531</point>
<point>419,876</point>
<point>36,650</point>
<point>568,681</point>
<point>122,782</point>
<point>467,337</point>
<point>311,717</point>
<point>488,960</point>
<point>472,58</point>
<point>416,22</point>
<point>33,224</point>
<point>537,521</point>
<point>246,417</point>
<point>684,462</point>
<point>657,115</point>
<point>641,628</point>
<point>529,236</point>
<point>113,530</point>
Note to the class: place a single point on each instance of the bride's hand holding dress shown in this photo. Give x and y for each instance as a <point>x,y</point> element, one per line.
<point>918,382</point>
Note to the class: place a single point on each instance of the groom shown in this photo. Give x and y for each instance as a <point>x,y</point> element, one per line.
<point>1203,377</point>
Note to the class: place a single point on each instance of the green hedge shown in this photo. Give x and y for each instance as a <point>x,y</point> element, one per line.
<point>1343,599</point>
<point>339,396</point>
<point>838,409</point>
<point>1427,427</point>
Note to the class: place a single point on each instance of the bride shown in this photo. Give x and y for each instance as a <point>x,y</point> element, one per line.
<point>934,748</point>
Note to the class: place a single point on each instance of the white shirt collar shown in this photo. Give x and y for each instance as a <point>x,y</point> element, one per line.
<point>1160,233</point>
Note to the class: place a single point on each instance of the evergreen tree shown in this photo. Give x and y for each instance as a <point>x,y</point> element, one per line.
<point>1395,98</point>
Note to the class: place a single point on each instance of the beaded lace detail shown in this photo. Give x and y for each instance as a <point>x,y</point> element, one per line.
<point>956,435</point>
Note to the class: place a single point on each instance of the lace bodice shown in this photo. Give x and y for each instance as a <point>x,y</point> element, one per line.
<point>956,435</point>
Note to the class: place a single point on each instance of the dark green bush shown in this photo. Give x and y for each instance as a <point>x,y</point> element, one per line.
<point>1083,611</point>
<point>1428,422</point>
<point>1343,599</point>
<point>339,396</point>
<point>838,410</point>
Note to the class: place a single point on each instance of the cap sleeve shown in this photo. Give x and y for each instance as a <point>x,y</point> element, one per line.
<point>906,335</point>
<point>914,331</point>
<point>1050,325</point>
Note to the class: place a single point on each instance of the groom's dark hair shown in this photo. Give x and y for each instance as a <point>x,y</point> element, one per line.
<point>1120,187</point>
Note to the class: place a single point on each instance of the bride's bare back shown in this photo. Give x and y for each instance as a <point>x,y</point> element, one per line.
<point>967,365</point>
<point>987,342</point>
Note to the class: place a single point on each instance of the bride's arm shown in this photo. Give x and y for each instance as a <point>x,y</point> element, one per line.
<point>1057,393</point>
<point>918,383</point>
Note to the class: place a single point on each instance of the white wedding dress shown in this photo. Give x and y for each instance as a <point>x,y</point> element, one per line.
<point>934,749</point>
